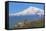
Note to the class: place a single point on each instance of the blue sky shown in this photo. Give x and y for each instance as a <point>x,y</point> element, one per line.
<point>16,7</point>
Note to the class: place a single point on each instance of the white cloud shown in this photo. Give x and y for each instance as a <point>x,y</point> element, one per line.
<point>29,11</point>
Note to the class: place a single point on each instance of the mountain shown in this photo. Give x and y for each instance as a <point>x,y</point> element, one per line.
<point>29,14</point>
<point>29,11</point>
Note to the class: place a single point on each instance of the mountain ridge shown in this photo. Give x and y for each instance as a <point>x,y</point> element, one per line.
<point>29,11</point>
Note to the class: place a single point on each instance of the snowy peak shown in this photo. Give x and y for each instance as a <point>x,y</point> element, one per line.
<point>29,11</point>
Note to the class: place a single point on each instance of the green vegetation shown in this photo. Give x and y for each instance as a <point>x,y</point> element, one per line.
<point>28,24</point>
<point>38,24</point>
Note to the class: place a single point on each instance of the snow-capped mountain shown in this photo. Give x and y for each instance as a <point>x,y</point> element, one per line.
<point>29,14</point>
<point>29,11</point>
